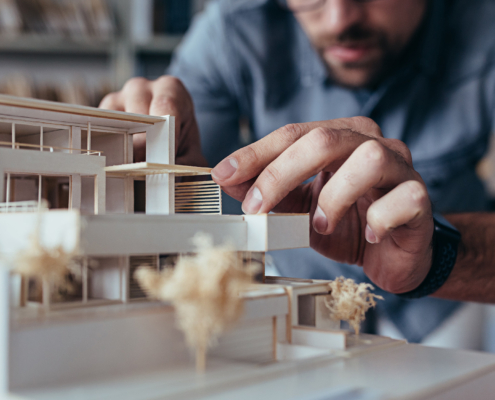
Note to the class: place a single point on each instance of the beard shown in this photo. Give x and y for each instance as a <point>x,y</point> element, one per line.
<point>382,56</point>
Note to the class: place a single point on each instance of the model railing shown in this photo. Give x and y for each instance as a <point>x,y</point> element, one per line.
<point>23,206</point>
<point>51,149</point>
<point>203,197</point>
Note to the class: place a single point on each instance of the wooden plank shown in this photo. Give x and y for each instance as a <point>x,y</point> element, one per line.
<point>180,184</point>
<point>44,105</point>
<point>148,168</point>
<point>18,145</point>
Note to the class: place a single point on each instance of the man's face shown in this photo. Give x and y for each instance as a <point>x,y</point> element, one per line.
<point>360,40</point>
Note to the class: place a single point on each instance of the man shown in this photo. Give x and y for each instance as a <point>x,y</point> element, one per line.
<point>422,70</point>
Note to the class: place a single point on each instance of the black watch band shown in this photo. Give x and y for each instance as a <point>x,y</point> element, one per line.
<point>445,243</point>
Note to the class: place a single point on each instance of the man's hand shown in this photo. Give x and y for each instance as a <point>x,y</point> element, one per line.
<point>367,203</point>
<point>164,96</point>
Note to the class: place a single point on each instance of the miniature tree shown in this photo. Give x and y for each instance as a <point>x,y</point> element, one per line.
<point>349,301</point>
<point>205,291</point>
<point>50,265</point>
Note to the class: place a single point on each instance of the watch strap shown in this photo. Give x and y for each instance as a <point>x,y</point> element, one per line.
<point>445,243</point>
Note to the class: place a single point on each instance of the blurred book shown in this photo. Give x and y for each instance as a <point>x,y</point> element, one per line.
<point>142,20</point>
<point>75,18</point>
<point>74,91</point>
<point>10,18</point>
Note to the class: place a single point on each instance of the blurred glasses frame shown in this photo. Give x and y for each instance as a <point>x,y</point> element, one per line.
<point>308,5</point>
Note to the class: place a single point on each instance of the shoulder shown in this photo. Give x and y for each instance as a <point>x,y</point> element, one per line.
<point>256,44</point>
<point>470,37</point>
<point>239,24</point>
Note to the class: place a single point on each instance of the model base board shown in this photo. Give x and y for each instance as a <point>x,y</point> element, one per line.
<point>392,370</point>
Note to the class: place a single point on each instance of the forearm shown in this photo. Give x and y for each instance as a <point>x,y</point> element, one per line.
<point>473,277</point>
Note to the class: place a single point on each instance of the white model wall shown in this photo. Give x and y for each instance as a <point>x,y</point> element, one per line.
<point>99,343</point>
<point>46,163</point>
<point>78,349</point>
<point>105,279</point>
<point>114,150</point>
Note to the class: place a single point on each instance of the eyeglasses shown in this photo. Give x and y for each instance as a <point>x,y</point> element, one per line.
<point>298,6</point>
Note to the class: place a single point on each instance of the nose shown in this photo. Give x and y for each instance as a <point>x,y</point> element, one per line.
<point>340,15</point>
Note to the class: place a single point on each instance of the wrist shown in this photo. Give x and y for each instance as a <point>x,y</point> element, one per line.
<point>445,245</point>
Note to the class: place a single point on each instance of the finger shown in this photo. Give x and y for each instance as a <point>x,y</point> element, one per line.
<point>170,97</point>
<point>112,101</point>
<point>137,95</point>
<point>371,166</point>
<point>139,146</point>
<point>238,192</point>
<point>319,149</point>
<point>249,161</point>
<point>406,205</point>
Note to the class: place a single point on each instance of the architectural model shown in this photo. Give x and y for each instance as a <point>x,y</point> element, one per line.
<point>67,182</point>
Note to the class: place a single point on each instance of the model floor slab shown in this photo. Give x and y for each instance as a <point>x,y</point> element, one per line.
<point>392,371</point>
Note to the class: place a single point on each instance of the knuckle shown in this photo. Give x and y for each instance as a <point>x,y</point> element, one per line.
<point>324,138</point>
<point>375,153</point>
<point>367,126</point>
<point>291,133</point>
<point>417,192</point>
<point>166,103</point>
<point>169,80</point>
<point>134,84</point>
<point>110,99</point>
<point>272,176</point>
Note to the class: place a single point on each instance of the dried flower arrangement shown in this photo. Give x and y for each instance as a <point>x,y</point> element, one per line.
<point>205,291</point>
<point>349,301</point>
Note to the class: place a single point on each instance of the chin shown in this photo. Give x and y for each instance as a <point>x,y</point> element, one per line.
<point>356,75</point>
<point>353,81</point>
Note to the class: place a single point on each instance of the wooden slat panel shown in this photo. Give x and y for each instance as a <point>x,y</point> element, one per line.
<point>135,291</point>
<point>198,198</point>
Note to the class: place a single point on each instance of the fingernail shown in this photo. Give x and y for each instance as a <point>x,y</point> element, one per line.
<point>320,221</point>
<point>225,169</point>
<point>370,236</point>
<point>252,202</point>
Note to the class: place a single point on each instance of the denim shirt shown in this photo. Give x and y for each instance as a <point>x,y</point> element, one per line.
<point>250,59</point>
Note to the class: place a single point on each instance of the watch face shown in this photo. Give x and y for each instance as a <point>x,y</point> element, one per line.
<point>447,230</point>
<point>441,222</point>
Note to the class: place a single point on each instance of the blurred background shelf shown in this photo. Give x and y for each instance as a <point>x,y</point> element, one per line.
<point>54,44</point>
<point>78,50</point>
<point>160,44</point>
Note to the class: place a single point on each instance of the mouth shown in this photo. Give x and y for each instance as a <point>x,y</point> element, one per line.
<point>348,53</point>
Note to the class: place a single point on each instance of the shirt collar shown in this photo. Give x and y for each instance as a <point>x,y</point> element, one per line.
<point>432,37</point>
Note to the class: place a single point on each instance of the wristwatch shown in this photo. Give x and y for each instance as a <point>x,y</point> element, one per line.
<point>445,242</point>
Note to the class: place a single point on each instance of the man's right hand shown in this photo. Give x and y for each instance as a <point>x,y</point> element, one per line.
<point>164,96</point>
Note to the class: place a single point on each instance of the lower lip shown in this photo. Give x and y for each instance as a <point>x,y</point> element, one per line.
<point>348,54</point>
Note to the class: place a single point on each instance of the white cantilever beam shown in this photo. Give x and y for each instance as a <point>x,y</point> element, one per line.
<point>146,168</point>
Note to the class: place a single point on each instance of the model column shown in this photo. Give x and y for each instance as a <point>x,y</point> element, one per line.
<point>4,329</point>
<point>160,148</point>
